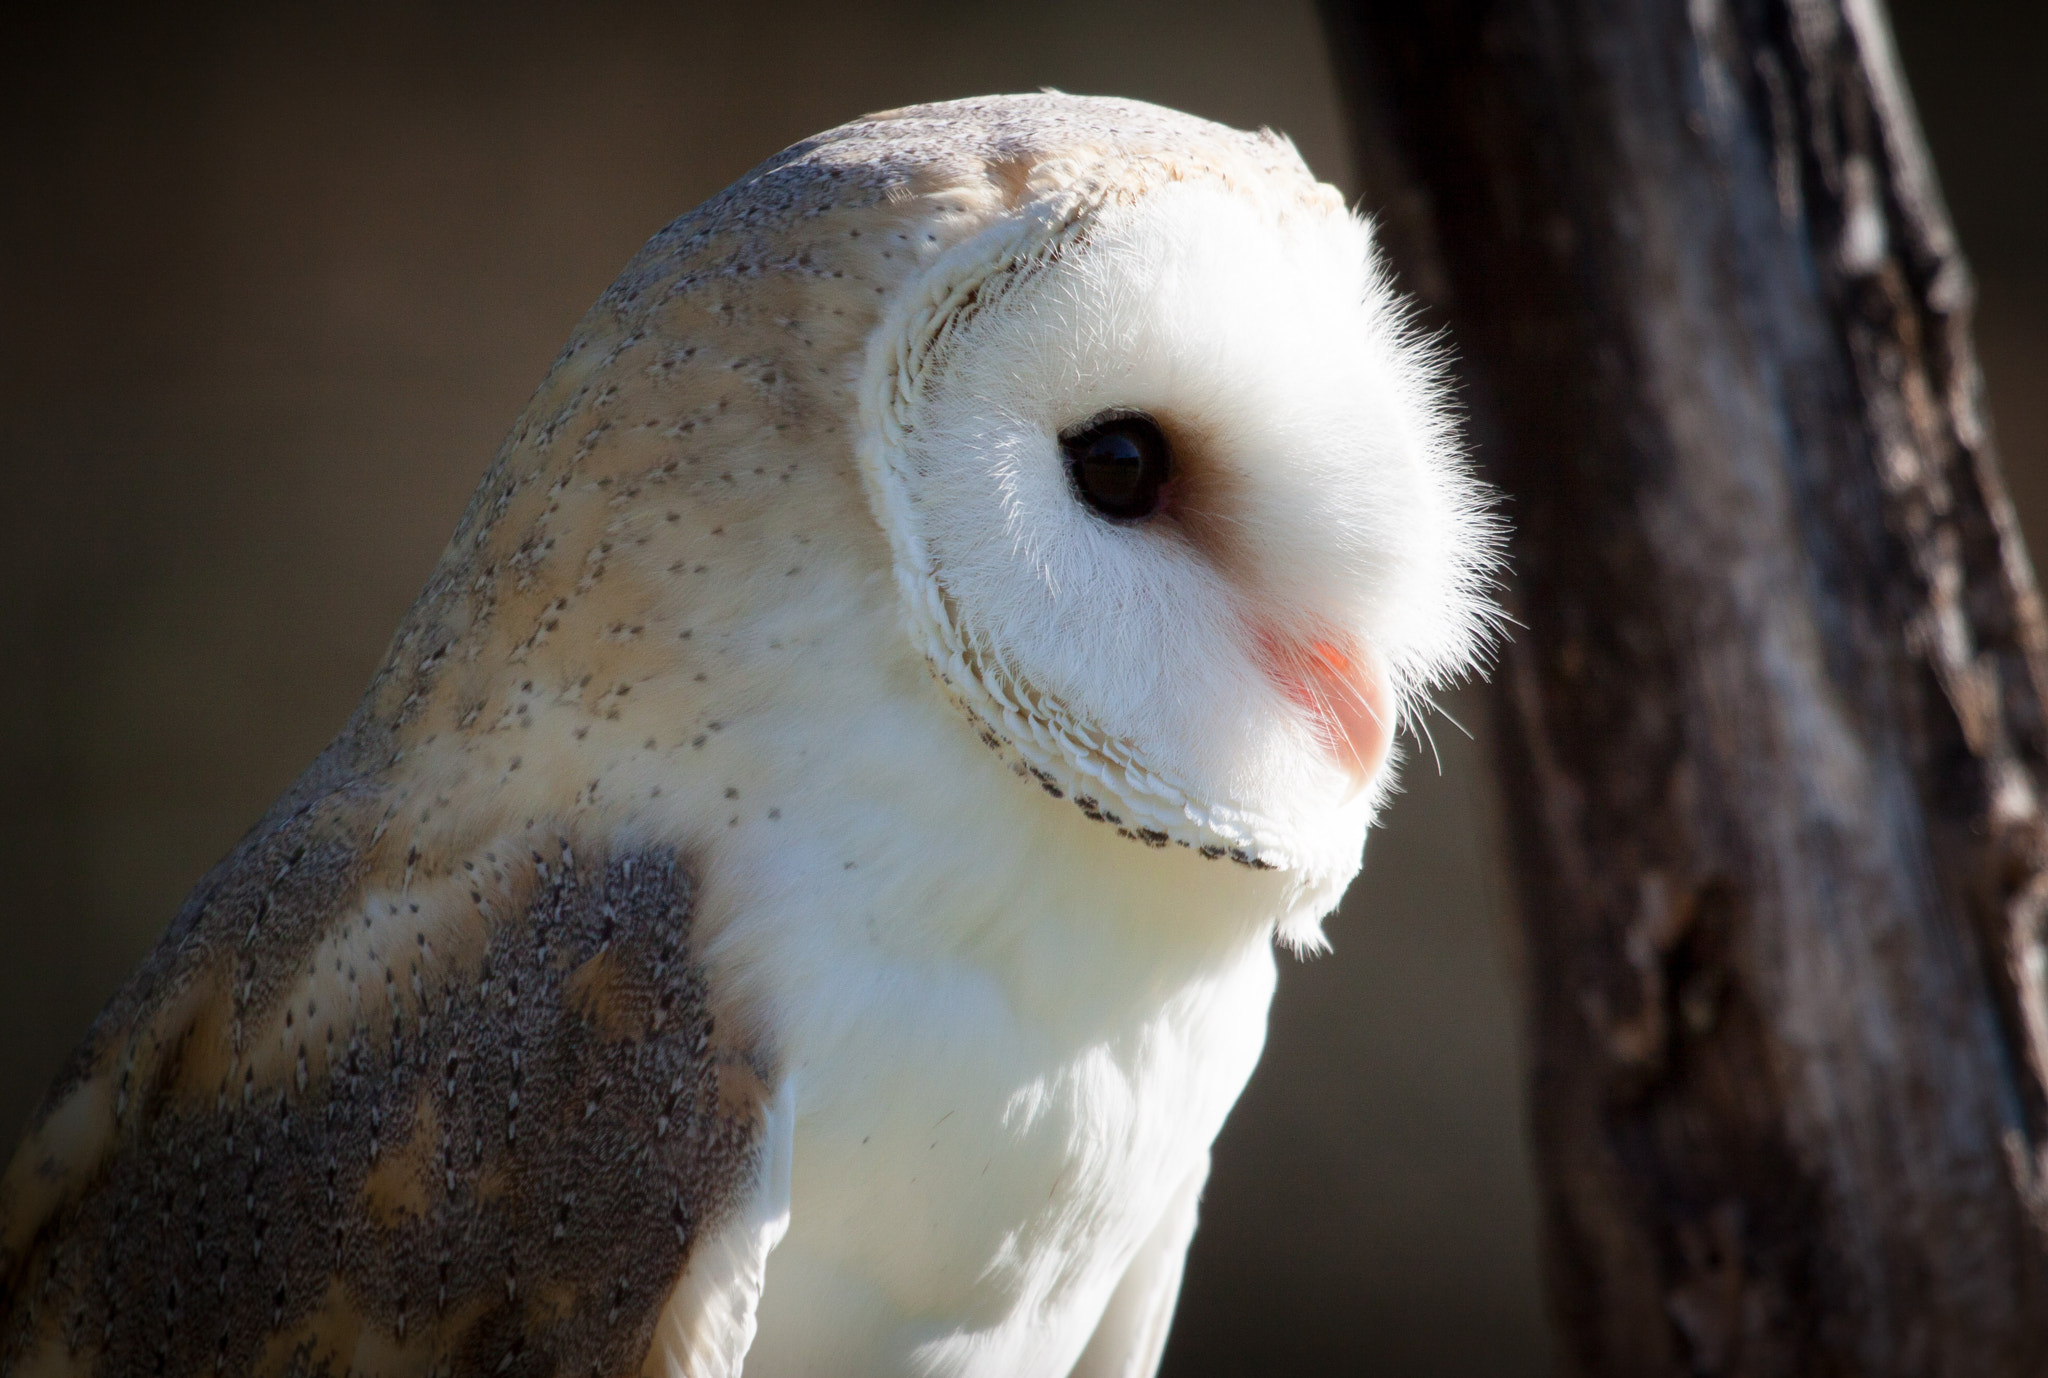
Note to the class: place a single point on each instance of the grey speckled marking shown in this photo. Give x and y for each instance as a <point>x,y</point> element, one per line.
<point>506,1179</point>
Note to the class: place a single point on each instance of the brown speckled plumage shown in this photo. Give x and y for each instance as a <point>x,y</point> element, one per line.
<point>501,1172</point>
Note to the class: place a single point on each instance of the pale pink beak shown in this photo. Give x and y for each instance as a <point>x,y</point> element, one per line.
<point>1344,694</point>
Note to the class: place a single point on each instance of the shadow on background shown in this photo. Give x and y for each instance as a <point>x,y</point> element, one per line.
<point>276,282</point>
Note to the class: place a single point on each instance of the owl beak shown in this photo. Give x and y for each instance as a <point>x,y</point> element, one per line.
<point>1345,695</point>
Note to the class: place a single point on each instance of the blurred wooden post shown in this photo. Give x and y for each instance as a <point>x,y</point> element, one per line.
<point>1771,741</point>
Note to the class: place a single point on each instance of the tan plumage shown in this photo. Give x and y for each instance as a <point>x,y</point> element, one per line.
<point>465,1059</point>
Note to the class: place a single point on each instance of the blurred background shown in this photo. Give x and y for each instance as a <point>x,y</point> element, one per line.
<point>275,281</point>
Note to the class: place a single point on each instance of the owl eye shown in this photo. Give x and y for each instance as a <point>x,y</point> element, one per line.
<point>1119,462</point>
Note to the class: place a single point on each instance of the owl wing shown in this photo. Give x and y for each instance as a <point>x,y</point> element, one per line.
<point>366,1112</point>
<point>708,1325</point>
<point>1130,1339</point>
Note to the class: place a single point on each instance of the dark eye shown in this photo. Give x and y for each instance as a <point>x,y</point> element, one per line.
<point>1119,462</point>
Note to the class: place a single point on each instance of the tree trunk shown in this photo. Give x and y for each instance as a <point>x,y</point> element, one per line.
<point>1772,742</point>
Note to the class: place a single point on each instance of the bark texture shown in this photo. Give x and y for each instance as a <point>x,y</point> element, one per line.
<point>1772,744</point>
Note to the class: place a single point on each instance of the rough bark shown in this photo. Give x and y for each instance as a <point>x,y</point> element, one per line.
<point>1771,737</point>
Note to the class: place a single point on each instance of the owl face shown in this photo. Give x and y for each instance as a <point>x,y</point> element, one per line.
<point>1176,514</point>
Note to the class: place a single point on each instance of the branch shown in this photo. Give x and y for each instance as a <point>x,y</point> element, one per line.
<point>1773,746</point>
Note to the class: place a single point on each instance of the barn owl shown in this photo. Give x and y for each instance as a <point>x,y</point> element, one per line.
<point>802,891</point>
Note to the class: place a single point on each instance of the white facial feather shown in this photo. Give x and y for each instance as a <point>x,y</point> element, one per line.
<point>1323,500</point>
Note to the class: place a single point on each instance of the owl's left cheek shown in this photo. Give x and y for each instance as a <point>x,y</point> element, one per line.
<point>1339,686</point>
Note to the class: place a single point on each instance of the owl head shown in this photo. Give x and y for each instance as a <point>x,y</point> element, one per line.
<point>1078,430</point>
<point>1177,513</point>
